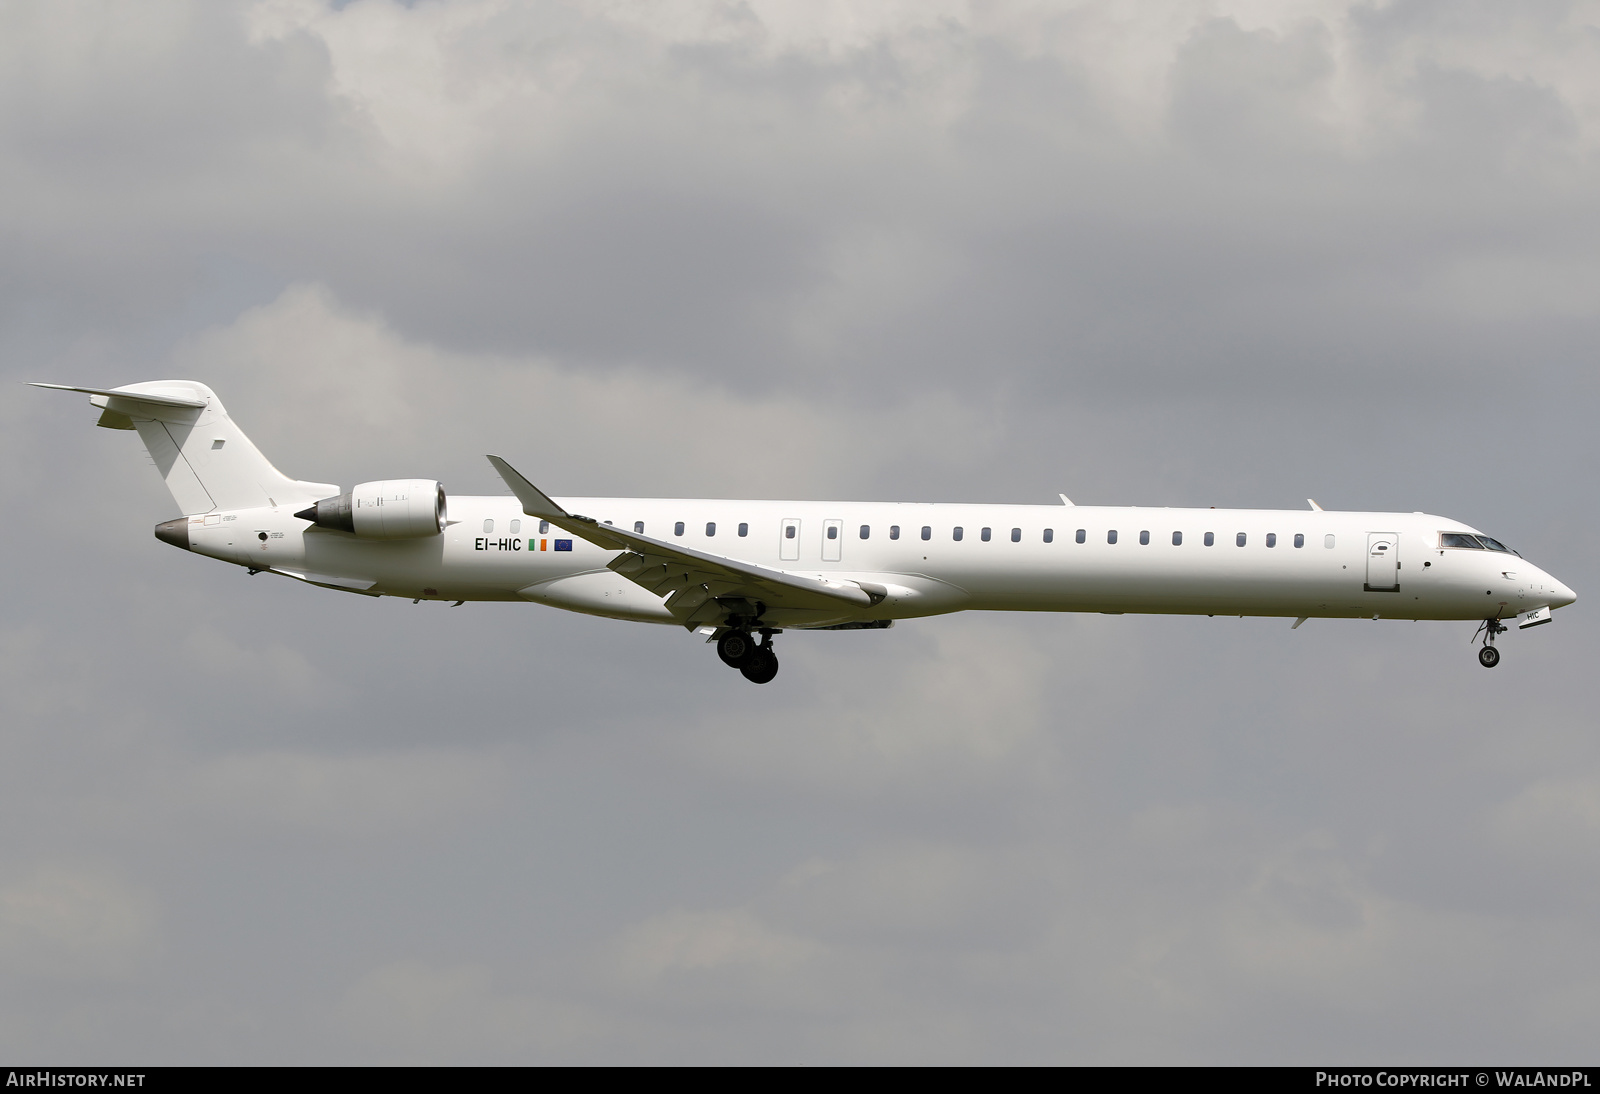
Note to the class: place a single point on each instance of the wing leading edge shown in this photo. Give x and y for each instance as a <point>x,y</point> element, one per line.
<point>700,587</point>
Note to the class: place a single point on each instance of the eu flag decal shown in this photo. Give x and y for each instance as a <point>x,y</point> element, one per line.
<point>563,545</point>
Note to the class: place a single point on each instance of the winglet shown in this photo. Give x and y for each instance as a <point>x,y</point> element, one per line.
<point>534,501</point>
<point>1314,505</point>
<point>1065,500</point>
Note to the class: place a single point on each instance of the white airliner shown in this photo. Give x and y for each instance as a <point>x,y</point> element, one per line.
<point>733,570</point>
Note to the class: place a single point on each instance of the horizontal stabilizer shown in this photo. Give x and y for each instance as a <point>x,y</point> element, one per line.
<point>132,396</point>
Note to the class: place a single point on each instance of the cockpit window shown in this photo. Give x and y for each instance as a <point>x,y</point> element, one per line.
<point>1477,543</point>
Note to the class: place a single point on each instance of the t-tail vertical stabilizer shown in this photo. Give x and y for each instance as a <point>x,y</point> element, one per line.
<point>207,461</point>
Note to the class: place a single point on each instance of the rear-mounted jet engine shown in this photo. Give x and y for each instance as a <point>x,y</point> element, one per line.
<point>388,509</point>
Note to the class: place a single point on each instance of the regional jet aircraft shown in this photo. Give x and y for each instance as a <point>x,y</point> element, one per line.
<point>740,572</point>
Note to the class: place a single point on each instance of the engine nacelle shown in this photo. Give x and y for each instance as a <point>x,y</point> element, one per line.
<point>388,509</point>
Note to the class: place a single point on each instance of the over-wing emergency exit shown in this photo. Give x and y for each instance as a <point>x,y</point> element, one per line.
<point>740,572</point>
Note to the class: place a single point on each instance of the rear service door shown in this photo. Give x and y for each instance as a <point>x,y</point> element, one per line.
<point>1383,562</point>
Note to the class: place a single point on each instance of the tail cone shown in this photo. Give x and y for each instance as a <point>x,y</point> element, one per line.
<point>175,532</point>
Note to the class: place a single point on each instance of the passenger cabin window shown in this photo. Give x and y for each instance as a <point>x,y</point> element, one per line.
<point>866,531</point>
<point>1272,539</point>
<point>638,526</point>
<point>984,535</point>
<point>957,533</point>
<point>711,528</point>
<point>1111,536</point>
<point>1049,535</point>
<point>894,531</point>
<point>516,527</point>
<point>1177,539</point>
<point>744,529</point>
<point>1211,539</point>
<point>1459,539</point>
<point>788,531</point>
<point>1299,540</point>
<point>1016,535</point>
<point>1082,535</point>
<point>927,532</point>
<point>1327,541</point>
<point>488,526</point>
<point>544,527</point>
<point>677,529</point>
<point>833,531</point>
<point>1239,539</point>
<point>1144,538</point>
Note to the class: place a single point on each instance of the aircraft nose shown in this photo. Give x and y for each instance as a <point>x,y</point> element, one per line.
<point>1563,596</point>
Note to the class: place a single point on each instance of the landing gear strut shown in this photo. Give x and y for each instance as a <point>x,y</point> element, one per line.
<point>757,663</point>
<point>1488,656</point>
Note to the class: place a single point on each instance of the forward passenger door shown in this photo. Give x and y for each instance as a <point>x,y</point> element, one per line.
<point>1383,562</point>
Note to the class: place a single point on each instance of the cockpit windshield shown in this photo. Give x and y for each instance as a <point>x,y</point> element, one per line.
<point>1475,543</point>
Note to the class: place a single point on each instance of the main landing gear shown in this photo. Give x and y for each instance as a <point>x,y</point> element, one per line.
<point>1488,656</point>
<point>738,649</point>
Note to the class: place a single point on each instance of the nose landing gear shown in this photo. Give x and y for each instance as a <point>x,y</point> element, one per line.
<point>1488,656</point>
<point>757,663</point>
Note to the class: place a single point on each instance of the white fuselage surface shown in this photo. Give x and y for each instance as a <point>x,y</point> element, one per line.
<point>1053,558</point>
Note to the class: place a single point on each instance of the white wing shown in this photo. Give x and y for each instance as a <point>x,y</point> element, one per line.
<point>694,580</point>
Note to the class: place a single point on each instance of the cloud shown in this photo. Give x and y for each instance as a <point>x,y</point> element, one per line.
<point>363,796</point>
<point>64,923</point>
<point>341,387</point>
<point>417,1013</point>
<point>1556,820</point>
<point>965,715</point>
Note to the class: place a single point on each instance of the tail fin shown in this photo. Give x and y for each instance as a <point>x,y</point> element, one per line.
<point>206,460</point>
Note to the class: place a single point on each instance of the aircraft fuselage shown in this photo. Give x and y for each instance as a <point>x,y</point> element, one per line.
<point>974,557</point>
<point>736,570</point>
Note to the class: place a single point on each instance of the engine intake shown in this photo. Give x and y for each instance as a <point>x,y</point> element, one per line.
<point>387,509</point>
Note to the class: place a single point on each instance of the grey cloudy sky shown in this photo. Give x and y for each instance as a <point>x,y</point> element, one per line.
<point>1228,253</point>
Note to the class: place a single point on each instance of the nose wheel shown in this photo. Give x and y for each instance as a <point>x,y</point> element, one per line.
<point>756,663</point>
<point>1488,656</point>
